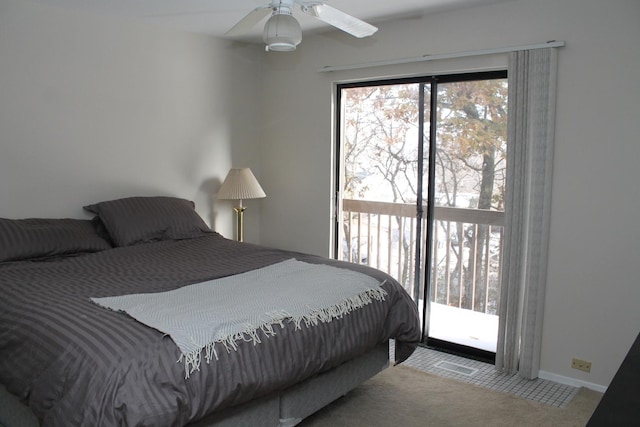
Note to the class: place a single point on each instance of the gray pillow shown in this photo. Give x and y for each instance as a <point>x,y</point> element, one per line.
<point>134,220</point>
<point>42,238</point>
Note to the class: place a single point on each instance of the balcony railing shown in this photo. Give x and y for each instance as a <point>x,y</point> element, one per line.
<point>466,253</point>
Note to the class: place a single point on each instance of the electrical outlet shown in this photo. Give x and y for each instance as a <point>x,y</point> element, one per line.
<point>581,365</point>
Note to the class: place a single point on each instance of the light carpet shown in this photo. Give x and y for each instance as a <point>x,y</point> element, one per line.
<point>403,396</point>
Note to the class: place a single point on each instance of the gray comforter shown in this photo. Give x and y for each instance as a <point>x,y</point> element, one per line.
<point>75,363</point>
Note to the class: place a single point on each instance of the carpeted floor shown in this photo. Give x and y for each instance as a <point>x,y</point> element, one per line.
<point>404,397</point>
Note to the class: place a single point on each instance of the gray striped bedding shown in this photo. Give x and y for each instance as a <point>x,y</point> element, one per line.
<point>77,364</point>
<point>40,238</point>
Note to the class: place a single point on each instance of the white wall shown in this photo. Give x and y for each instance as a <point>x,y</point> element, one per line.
<point>593,297</point>
<point>98,108</point>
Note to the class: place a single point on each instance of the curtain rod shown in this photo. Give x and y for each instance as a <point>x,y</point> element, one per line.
<point>429,57</point>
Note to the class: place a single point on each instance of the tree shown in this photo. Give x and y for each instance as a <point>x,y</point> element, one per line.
<point>379,120</point>
<point>472,122</point>
<point>380,141</point>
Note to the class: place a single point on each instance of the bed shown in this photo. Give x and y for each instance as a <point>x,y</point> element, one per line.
<point>65,359</point>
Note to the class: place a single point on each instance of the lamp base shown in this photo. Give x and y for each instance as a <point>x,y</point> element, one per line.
<point>239,223</point>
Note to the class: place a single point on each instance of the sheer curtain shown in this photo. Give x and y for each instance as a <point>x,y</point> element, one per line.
<point>532,84</point>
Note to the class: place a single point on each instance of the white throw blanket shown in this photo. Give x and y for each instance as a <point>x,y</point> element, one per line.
<point>237,308</point>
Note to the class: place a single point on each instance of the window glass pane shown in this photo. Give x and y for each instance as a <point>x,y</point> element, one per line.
<point>380,142</point>
<point>472,142</point>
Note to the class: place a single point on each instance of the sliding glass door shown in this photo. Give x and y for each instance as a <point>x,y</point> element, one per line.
<point>381,167</point>
<point>420,180</point>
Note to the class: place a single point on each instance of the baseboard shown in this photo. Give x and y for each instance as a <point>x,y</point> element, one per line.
<point>571,381</point>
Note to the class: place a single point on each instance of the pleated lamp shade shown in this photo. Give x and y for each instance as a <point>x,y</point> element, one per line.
<point>239,184</point>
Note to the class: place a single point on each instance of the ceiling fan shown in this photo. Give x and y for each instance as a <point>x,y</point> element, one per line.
<point>282,31</point>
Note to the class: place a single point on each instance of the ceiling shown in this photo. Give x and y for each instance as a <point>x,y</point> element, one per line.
<point>215,17</point>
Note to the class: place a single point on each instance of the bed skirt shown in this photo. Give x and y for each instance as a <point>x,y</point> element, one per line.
<point>284,409</point>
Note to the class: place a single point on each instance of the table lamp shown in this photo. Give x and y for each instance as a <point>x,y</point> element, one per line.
<point>240,184</point>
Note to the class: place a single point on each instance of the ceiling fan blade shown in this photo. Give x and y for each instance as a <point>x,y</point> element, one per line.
<point>249,21</point>
<point>337,18</point>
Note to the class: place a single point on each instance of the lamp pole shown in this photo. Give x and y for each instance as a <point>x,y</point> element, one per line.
<point>240,221</point>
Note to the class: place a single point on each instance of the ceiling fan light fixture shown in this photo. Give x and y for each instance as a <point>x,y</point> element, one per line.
<point>282,31</point>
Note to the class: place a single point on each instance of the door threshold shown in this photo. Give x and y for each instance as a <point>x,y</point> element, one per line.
<point>460,350</point>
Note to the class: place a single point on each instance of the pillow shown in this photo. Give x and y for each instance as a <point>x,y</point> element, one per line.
<point>136,220</point>
<point>38,238</point>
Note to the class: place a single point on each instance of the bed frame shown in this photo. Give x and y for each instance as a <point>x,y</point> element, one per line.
<point>286,408</point>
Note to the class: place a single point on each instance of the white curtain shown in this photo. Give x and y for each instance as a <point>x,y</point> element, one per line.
<point>532,84</point>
